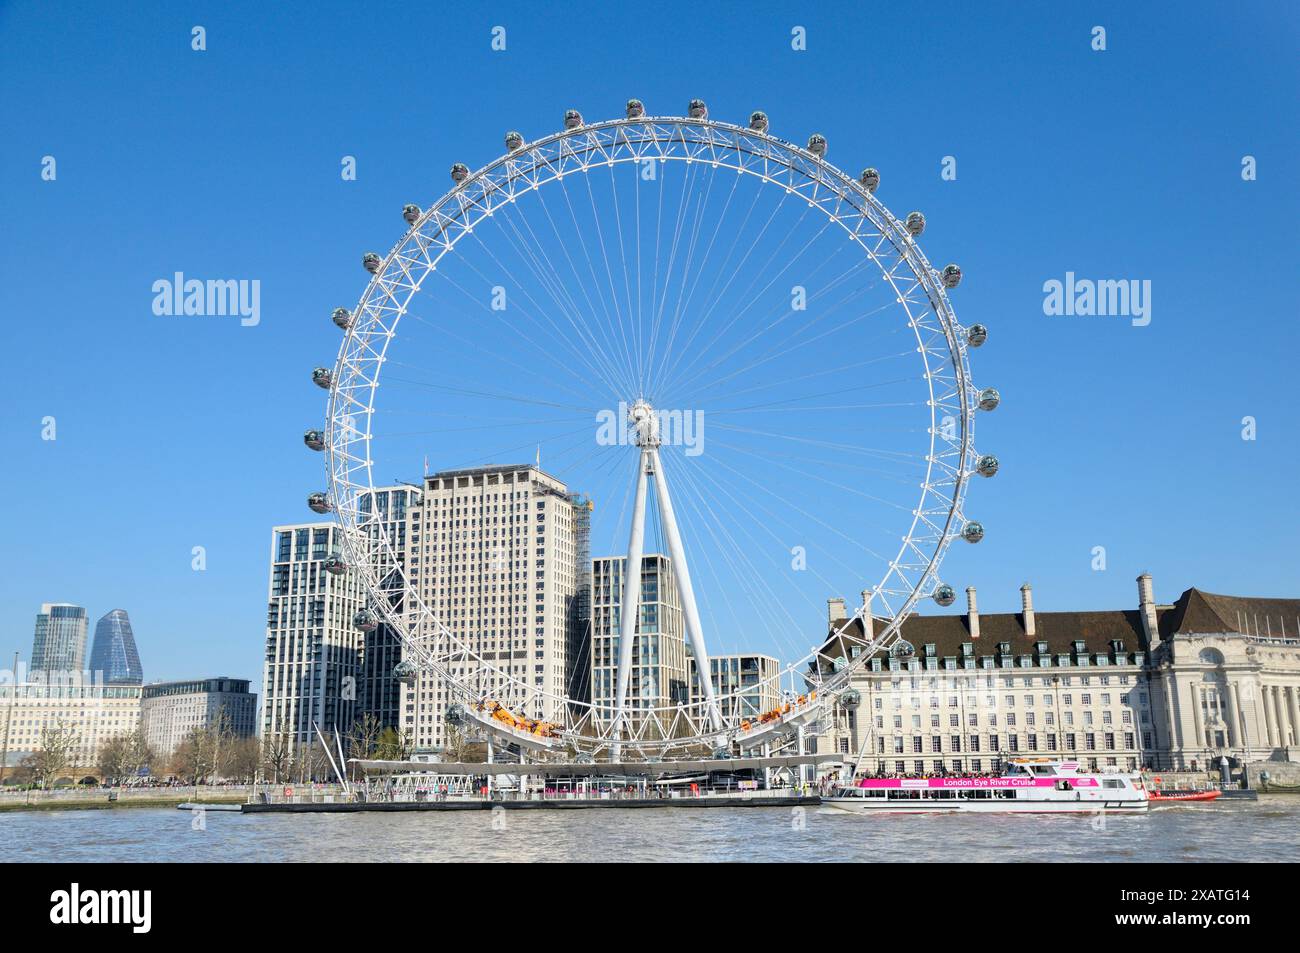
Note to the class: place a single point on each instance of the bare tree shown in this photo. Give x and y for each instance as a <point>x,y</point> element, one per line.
<point>364,737</point>
<point>123,756</point>
<point>195,758</point>
<point>277,758</point>
<point>53,754</point>
<point>460,746</point>
<point>240,759</point>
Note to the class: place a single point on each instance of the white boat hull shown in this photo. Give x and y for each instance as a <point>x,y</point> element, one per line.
<point>1018,806</point>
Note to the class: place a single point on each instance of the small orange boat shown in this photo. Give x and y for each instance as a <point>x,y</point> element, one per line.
<point>1185,796</point>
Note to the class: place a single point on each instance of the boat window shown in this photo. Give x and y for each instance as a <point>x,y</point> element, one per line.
<point>1044,770</point>
<point>1112,783</point>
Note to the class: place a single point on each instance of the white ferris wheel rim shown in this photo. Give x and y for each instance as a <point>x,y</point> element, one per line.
<point>911,576</point>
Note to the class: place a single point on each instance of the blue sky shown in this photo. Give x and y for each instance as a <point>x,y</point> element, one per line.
<point>176,432</point>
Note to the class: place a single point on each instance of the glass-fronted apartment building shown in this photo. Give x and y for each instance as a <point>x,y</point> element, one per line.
<point>658,676</point>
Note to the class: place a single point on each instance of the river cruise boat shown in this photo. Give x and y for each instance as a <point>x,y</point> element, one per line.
<point>1026,786</point>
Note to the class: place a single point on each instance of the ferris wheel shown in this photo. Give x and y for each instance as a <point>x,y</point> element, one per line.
<point>741,372</point>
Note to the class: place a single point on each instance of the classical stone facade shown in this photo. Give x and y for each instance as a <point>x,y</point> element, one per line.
<point>1225,677</point>
<point>1176,686</point>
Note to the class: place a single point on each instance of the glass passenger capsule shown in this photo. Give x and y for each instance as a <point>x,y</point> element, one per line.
<point>371,262</point>
<point>903,650</point>
<point>334,564</point>
<point>986,465</point>
<point>322,377</point>
<point>870,179</point>
<point>318,503</point>
<point>455,711</point>
<point>989,398</point>
<point>915,223</point>
<point>697,110</point>
<point>365,620</point>
<point>459,172</point>
<point>635,109</point>
<point>342,317</point>
<point>314,439</point>
<point>976,335</point>
<point>758,121</point>
<point>972,532</point>
<point>851,698</point>
<point>514,141</point>
<point>572,119</point>
<point>950,276</point>
<point>944,594</point>
<point>404,671</point>
<point>817,145</point>
<point>411,213</point>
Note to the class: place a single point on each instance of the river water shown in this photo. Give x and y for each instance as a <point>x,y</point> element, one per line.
<point>1266,830</point>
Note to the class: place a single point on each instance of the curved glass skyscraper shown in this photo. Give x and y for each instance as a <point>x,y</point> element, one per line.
<point>114,651</point>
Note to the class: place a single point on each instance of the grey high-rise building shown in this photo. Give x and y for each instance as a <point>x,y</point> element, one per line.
<point>380,695</point>
<point>60,642</point>
<point>321,670</point>
<point>114,653</point>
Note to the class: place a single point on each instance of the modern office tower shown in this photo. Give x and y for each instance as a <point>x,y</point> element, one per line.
<point>492,552</point>
<point>114,653</point>
<point>169,711</point>
<point>746,685</point>
<point>313,667</point>
<point>381,693</point>
<point>659,660</point>
<point>60,642</point>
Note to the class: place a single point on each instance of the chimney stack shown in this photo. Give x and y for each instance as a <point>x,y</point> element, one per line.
<point>1027,609</point>
<point>1147,609</point>
<point>972,613</point>
<point>835,611</point>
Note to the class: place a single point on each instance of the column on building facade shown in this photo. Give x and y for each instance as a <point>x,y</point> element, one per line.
<point>1238,739</point>
<point>1283,723</point>
<point>1171,714</point>
<point>1195,688</point>
<point>1294,709</point>
<point>1270,723</point>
